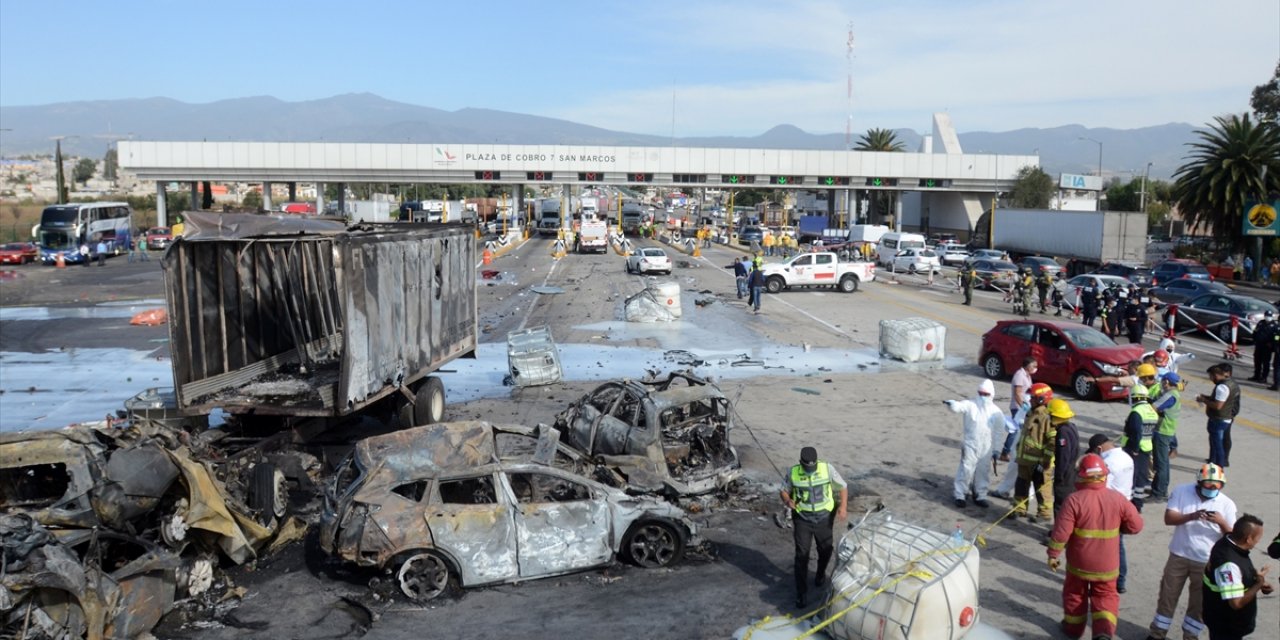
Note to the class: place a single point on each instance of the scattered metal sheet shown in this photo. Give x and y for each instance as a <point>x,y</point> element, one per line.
<point>547,290</point>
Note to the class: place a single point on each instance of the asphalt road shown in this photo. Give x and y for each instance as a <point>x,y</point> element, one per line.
<point>883,426</point>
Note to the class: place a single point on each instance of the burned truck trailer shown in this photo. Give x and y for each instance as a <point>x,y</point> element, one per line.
<point>306,317</point>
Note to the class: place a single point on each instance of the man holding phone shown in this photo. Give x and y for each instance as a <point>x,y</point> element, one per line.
<point>1200,514</point>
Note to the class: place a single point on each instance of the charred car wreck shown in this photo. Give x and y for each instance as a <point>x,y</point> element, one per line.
<point>668,436</point>
<point>459,501</point>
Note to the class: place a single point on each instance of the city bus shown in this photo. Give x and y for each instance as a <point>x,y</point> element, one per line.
<point>64,227</point>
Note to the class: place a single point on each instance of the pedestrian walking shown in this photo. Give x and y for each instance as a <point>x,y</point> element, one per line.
<point>102,252</point>
<point>1220,407</point>
<point>981,417</point>
<point>757,287</point>
<point>1200,514</point>
<point>142,250</point>
<point>1248,268</point>
<point>1034,455</point>
<point>741,271</point>
<point>84,253</point>
<point>1232,584</point>
<point>133,251</point>
<point>1137,441</point>
<point>1088,529</point>
<point>810,494</point>
<point>1266,334</point>
<point>768,244</point>
<point>968,279</point>
<point>1120,480</point>
<point>1065,451</point>
<point>1168,405</point>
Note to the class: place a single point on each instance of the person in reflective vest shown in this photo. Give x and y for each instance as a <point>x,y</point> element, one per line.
<point>1088,529</point>
<point>1137,441</point>
<point>817,496</point>
<point>1035,455</point>
<point>1168,403</point>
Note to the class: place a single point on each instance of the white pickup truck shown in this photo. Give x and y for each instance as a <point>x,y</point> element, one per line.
<point>818,269</point>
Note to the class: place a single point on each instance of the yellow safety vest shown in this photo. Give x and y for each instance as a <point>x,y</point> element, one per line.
<point>811,492</point>
<point>1150,419</point>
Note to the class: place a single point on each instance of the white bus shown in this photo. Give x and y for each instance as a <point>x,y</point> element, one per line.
<point>64,227</point>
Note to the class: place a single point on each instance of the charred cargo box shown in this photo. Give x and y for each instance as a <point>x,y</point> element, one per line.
<point>311,317</point>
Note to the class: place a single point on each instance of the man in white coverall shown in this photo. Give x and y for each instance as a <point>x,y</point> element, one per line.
<point>981,418</point>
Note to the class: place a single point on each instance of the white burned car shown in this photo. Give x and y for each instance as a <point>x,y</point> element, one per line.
<point>456,501</point>
<point>669,435</point>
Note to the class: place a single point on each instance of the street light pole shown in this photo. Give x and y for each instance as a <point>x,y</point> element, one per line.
<point>1099,143</point>
<point>1142,197</point>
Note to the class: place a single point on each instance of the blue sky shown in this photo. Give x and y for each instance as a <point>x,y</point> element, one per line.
<point>735,67</point>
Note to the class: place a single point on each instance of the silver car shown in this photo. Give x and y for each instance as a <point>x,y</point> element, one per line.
<point>485,504</point>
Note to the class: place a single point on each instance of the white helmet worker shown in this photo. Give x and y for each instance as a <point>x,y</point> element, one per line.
<point>987,388</point>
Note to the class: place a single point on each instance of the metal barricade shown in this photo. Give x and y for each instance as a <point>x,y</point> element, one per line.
<point>1232,351</point>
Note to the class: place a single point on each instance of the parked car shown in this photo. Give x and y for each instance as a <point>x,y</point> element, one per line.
<point>995,272</point>
<point>669,435</point>
<point>1184,289</point>
<point>916,260</point>
<point>19,253</point>
<point>987,254</point>
<point>1039,265</point>
<point>1074,288</point>
<point>952,254</point>
<point>1070,355</point>
<point>750,234</point>
<point>443,503</point>
<point>1178,268</point>
<point>158,237</point>
<point>1213,311</point>
<point>649,260</point>
<point>1134,273</point>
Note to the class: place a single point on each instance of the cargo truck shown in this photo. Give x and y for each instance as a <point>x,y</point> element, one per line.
<point>1085,239</point>
<point>548,215</point>
<point>593,234</point>
<point>632,218</point>
<point>307,317</point>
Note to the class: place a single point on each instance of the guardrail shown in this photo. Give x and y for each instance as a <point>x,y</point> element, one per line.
<point>1232,351</point>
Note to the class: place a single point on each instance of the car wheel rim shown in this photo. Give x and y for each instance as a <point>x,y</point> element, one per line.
<point>423,577</point>
<point>652,546</point>
<point>1083,386</point>
<point>992,368</point>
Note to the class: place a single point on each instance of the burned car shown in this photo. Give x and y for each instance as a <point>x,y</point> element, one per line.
<point>447,501</point>
<point>669,435</point>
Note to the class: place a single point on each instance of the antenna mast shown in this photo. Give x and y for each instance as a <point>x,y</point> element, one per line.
<point>848,123</point>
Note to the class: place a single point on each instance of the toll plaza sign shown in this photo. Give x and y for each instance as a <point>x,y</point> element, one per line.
<point>1079,182</point>
<point>1260,218</point>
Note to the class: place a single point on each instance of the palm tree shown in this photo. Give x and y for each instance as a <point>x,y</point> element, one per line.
<point>880,140</point>
<point>1234,161</point>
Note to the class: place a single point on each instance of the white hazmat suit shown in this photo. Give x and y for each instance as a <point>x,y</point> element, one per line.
<point>981,418</point>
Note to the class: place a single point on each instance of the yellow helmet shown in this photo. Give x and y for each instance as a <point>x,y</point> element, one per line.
<point>1058,408</point>
<point>1146,370</point>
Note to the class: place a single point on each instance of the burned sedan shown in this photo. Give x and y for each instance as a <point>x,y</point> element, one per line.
<point>669,435</point>
<point>444,501</point>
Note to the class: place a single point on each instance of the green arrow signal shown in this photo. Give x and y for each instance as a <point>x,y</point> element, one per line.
<point>782,180</point>
<point>930,183</point>
<point>831,181</point>
<point>876,182</point>
<point>733,179</point>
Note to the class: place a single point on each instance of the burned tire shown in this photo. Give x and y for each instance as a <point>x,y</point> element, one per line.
<point>1083,386</point>
<point>653,544</point>
<point>422,575</point>
<point>993,366</point>
<point>269,492</point>
<point>428,405</point>
<point>774,284</point>
<point>849,284</point>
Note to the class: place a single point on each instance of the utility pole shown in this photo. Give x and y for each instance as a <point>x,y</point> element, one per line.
<point>1142,197</point>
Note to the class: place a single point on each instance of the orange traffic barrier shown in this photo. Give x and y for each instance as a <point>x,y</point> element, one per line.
<point>487,256</point>
<point>150,317</point>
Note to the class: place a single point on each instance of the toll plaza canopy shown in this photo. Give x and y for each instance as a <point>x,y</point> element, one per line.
<point>164,161</point>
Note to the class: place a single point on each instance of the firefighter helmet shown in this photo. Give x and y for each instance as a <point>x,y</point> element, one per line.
<point>1092,468</point>
<point>1211,473</point>
<point>1058,408</point>
<point>1161,356</point>
<point>1040,393</point>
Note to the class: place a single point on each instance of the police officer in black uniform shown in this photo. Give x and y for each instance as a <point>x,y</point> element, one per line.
<point>1264,344</point>
<point>1089,304</point>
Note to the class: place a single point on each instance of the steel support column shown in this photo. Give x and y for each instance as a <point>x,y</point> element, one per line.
<point>162,211</point>
<point>266,196</point>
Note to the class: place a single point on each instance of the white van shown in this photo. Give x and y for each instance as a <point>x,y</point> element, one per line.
<point>891,243</point>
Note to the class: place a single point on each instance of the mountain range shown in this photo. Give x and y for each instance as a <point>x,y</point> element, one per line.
<point>89,127</point>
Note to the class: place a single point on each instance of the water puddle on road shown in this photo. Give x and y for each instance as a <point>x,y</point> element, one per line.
<point>105,310</point>
<point>56,388</point>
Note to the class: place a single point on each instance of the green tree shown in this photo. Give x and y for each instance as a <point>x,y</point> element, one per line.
<point>1124,196</point>
<point>880,140</point>
<point>1032,189</point>
<point>1225,169</point>
<point>110,165</point>
<point>252,200</point>
<point>1266,99</point>
<point>84,170</point>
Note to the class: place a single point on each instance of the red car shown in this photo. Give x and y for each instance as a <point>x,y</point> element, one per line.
<point>19,253</point>
<point>158,237</point>
<point>1070,355</point>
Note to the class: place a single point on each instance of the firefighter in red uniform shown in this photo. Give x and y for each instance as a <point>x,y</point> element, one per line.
<point>1088,527</point>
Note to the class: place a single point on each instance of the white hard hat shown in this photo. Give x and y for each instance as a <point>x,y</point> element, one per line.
<point>987,388</point>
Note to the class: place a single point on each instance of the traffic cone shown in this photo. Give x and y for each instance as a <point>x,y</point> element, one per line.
<point>487,256</point>
<point>61,261</point>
